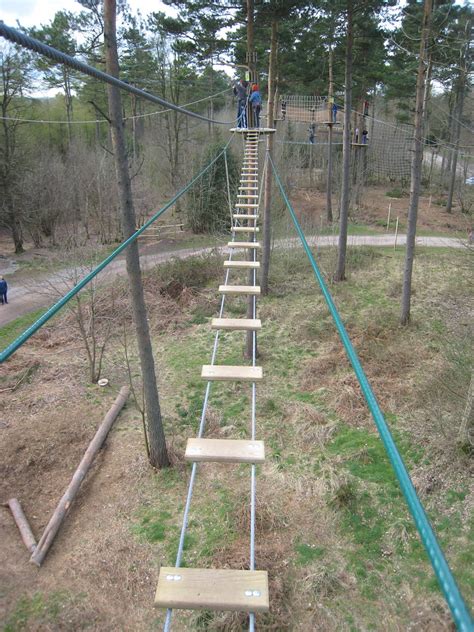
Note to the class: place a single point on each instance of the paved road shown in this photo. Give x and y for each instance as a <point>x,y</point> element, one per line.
<point>39,292</point>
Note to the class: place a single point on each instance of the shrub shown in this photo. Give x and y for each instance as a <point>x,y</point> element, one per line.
<point>207,206</point>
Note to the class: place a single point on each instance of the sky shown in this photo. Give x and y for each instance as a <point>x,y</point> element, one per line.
<point>36,12</point>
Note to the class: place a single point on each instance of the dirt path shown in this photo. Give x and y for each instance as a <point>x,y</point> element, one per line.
<point>27,297</point>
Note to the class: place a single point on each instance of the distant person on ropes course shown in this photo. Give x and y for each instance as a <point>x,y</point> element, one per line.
<point>334,113</point>
<point>240,91</point>
<point>364,136</point>
<point>311,130</point>
<point>283,110</point>
<point>256,102</point>
<point>3,291</point>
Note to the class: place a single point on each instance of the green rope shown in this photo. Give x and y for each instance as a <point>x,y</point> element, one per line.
<point>54,309</point>
<point>448,585</point>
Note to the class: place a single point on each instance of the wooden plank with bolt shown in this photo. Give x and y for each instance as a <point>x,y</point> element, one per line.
<point>225,450</point>
<point>227,373</point>
<point>212,589</point>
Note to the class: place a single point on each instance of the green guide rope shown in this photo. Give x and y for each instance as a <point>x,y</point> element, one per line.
<point>448,585</point>
<point>22,338</point>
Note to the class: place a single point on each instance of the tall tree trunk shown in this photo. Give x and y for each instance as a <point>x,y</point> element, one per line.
<point>158,452</point>
<point>267,199</point>
<point>68,101</point>
<point>461,90</point>
<point>454,164</point>
<point>416,163</point>
<point>346,150</point>
<point>330,125</point>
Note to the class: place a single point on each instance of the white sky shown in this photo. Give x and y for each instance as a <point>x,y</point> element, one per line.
<point>36,12</point>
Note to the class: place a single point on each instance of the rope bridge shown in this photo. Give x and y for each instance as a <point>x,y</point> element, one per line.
<point>227,589</point>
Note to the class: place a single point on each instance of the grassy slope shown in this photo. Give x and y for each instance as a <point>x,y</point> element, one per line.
<point>342,535</point>
<point>332,528</point>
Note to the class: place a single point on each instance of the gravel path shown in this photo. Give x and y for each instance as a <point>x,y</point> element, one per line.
<point>27,297</point>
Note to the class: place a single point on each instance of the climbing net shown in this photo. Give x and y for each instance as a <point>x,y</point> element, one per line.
<point>304,109</point>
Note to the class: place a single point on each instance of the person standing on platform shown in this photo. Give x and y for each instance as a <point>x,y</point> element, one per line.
<point>240,91</point>
<point>357,136</point>
<point>334,113</point>
<point>3,291</point>
<point>256,103</point>
<point>366,108</point>
<point>311,130</point>
<point>364,136</point>
<point>283,110</point>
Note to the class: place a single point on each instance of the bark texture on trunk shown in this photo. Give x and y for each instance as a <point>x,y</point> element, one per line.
<point>346,151</point>
<point>416,164</point>
<point>267,194</point>
<point>156,435</point>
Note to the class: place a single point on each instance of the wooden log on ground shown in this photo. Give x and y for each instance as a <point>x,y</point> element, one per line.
<point>65,503</point>
<point>22,524</point>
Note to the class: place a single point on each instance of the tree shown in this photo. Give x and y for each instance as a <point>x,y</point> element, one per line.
<point>15,72</point>
<point>346,149</point>
<point>207,206</point>
<point>157,442</point>
<point>460,85</point>
<point>416,163</point>
<point>60,35</point>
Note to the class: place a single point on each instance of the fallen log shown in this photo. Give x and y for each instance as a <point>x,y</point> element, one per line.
<point>22,524</point>
<point>65,503</point>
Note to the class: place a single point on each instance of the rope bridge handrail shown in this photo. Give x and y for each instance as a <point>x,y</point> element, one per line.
<point>22,338</point>
<point>446,580</point>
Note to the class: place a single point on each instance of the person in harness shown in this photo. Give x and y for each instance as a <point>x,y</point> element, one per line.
<point>240,91</point>
<point>256,103</point>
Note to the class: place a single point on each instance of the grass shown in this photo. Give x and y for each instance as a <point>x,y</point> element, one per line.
<point>39,610</point>
<point>374,539</point>
<point>11,331</point>
<point>333,530</point>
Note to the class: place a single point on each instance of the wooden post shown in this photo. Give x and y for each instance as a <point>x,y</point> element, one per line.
<point>396,235</point>
<point>388,218</point>
<point>22,524</point>
<point>66,501</point>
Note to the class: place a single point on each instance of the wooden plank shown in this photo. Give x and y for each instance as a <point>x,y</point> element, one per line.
<point>245,205</point>
<point>245,229</point>
<point>243,216</point>
<point>225,451</point>
<point>253,290</point>
<point>242,265</point>
<point>244,244</point>
<point>237,324</point>
<point>212,589</point>
<point>227,373</point>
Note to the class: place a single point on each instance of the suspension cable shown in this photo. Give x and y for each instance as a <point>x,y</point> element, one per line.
<point>448,585</point>
<point>15,36</point>
<point>125,118</point>
<point>202,427</point>
<point>22,338</point>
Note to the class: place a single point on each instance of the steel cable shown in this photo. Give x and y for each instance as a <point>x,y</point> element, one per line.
<point>15,36</point>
